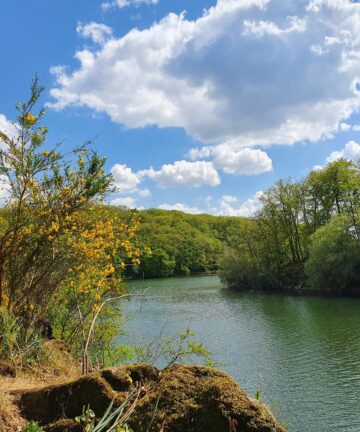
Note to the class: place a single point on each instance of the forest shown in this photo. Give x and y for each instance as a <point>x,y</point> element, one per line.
<point>306,237</point>
<point>180,244</point>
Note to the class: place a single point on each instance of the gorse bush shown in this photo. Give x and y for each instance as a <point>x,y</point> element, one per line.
<point>46,191</point>
<point>62,253</point>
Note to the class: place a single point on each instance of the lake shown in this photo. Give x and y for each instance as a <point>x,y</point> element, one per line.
<point>303,353</point>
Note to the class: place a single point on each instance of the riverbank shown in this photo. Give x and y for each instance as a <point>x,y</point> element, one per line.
<point>178,398</point>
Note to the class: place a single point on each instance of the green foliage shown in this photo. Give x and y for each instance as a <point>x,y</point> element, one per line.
<point>33,427</point>
<point>18,343</point>
<point>62,253</point>
<point>300,232</point>
<point>180,243</point>
<point>86,420</point>
<point>46,188</point>
<point>167,351</point>
<point>334,257</point>
<point>113,419</point>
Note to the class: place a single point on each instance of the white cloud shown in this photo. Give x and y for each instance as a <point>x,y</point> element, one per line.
<point>345,126</point>
<point>233,75</point>
<point>225,206</point>
<point>97,32</point>
<point>124,202</point>
<point>229,199</point>
<point>244,161</point>
<point>4,189</point>
<point>180,207</point>
<point>262,28</point>
<point>247,209</point>
<point>351,152</point>
<point>144,193</point>
<point>184,173</point>
<point>125,3</point>
<point>7,127</point>
<point>124,178</point>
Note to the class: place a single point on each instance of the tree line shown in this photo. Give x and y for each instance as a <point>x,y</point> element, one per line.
<point>305,237</point>
<point>177,243</point>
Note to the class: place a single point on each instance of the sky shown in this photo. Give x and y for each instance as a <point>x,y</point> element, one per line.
<point>199,105</point>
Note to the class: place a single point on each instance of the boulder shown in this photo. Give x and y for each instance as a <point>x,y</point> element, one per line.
<point>177,399</point>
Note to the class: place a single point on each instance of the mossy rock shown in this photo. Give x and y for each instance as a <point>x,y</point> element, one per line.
<point>199,399</point>
<point>49,404</point>
<point>177,399</point>
<point>123,378</point>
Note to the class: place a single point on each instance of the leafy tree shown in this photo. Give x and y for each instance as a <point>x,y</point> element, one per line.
<point>285,234</point>
<point>334,258</point>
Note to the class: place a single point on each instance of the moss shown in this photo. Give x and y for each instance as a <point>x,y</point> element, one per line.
<point>198,399</point>
<point>177,399</point>
<point>66,401</point>
<point>122,379</point>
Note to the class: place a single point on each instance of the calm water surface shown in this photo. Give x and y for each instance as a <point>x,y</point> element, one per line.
<point>303,353</point>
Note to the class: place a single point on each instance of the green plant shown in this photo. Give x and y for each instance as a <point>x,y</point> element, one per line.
<point>86,420</point>
<point>173,350</point>
<point>33,427</point>
<point>112,420</point>
<point>18,342</point>
<point>258,394</point>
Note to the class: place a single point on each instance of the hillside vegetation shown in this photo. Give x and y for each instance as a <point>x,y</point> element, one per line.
<point>180,243</point>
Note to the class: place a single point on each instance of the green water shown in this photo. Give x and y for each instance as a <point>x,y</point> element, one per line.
<point>303,353</point>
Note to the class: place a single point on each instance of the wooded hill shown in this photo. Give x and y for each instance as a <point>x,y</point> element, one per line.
<point>181,243</point>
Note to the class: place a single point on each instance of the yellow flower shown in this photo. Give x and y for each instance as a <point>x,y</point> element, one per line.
<point>54,226</point>
<point>30,119</point>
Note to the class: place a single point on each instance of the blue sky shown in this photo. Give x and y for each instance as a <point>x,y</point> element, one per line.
<point>198,105</point>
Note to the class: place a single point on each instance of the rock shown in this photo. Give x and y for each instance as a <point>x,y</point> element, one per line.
<point>199,399</point>
<point>177,399</point>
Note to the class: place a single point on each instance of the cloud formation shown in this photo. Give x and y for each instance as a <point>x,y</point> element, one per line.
<point>124,202</point>
<point>244,161</point>
<point>351,152</point>
<point>231,76</point>
<point>7,127</point>
<point>225,206</point>
<point>248,208</point>
<point>124,178</point>
<point>180,207</point>
<point>185,174</point>
<point>97,32</point>
<point>126,3</point>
